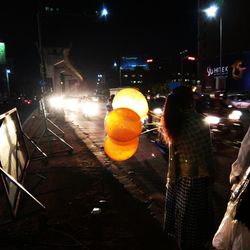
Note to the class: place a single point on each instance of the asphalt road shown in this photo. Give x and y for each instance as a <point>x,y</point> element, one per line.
<point>144,173</point>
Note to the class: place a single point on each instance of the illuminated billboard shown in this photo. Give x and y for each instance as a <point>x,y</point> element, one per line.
<point>235,70</point>
<point>131,63</point>
<point>2,53</point>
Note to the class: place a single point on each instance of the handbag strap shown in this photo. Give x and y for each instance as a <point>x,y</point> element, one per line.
<point>241,187</point>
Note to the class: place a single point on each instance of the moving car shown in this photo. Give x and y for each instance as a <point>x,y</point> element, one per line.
<point>224,120</point>
<point>240,101</point>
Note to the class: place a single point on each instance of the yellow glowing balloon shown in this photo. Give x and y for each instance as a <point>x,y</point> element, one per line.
<point>120,151</point>
<point>123,124</point>
<point>133,99</point>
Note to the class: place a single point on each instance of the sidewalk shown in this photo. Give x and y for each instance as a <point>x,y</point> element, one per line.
<point>86,207</point>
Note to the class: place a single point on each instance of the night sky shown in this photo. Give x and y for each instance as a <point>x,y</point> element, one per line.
<point>132,28</point>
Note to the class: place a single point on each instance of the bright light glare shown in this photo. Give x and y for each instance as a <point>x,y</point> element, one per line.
<point>211,11</point>
<point>56,102</point>
<point>235,115</point>
<point>104,12</point>
<point>72,116</point>
<point>90,108</point>
<point>212,119</point>
<point>157,111</point>
<point>71,104</point>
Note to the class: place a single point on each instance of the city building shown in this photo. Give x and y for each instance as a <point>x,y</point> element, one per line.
<point>151,74</point>
<point>132,71</point>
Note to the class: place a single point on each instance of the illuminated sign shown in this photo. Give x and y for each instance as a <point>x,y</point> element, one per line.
<point>237,69</point>
<point>217,71</point>
<point>191,58</point>
<point>130,63</point>
<point>2,53</point>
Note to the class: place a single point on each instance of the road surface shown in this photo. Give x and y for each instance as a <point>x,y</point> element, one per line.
<point>144,173</point>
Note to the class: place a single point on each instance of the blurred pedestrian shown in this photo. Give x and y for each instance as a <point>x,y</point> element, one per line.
<point>188,208</point>
<point>109,105</point>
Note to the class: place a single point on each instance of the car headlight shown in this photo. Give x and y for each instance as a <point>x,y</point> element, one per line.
<point>71,104</point>
<point>90,108</point>
<point>235,115</point>
<point>157,111</point>
<point>213,120</point>
<point>56,102</point>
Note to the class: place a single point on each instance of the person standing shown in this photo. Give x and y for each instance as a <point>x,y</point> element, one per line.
<point>242,162</point>
<point>239,179</point>
<point>188,208</point>
<point>233,232</point>
<point>109,105</point>
<point>238,170</point>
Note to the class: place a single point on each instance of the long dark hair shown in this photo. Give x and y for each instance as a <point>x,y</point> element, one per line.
<point>173,116</point>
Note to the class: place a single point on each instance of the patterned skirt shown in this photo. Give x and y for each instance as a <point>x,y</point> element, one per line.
<point>189,213</point>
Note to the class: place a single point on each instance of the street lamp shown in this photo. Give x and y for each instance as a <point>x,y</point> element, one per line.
<point>104,12</point>
<point>8,80</point>
<point>211,12</point>
<point>120,72</point>
<point>183,55</point>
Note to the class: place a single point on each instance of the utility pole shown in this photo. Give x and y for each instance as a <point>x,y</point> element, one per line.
<point>198,43</point>
<point>40,48</point>
<point>183,55</point>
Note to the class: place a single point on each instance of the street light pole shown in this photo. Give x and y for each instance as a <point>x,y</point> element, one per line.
<point>41,54</point>
<point>8,80</point>
<point>120,75</point>
<point>198,43</point>
<point>211,12</point>
<point>182,55</point>
<point>220,43</point>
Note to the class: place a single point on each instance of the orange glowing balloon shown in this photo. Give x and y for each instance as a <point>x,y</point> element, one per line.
<point>133,99</point>
<point>120,151</point>
<point>123,124</point>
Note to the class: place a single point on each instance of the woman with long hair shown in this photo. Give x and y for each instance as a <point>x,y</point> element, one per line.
<point>188,212</point>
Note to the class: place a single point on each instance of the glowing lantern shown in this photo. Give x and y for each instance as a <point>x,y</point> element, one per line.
<point>123,124</point>
<point>120,151</point>
<point>132,99</point>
